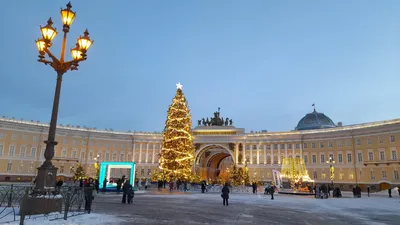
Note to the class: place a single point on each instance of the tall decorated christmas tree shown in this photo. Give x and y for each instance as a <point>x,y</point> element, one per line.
<point>177,154</point>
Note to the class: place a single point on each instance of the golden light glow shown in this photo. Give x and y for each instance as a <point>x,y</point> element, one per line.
<point>67,15</point>
<point>177,155</point>
<point>48,32</point>
<point>294,170</point>
<point>41,45</point>
<point>85,42</point>
<point>76,53</point>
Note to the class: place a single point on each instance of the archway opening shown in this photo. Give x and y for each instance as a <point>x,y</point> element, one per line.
<point>213,164</point>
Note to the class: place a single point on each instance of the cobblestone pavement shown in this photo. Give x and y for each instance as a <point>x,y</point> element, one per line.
<point>197,208</point>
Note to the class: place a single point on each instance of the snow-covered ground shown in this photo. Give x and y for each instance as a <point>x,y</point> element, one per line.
<point>86,219</point>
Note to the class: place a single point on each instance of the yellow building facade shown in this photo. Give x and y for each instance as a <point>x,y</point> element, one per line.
<point>364,154</point>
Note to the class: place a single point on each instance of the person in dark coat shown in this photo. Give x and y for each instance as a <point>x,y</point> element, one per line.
<point>125,191</point>
<point>104,184</point>
<point>368,190</point>
<point>225,194</point>
<point>119,184</point>
<point>89,191</point>
<point>97,185</point>
<point>390,192</point>
<point>272,191</point>
<point>131,194</point>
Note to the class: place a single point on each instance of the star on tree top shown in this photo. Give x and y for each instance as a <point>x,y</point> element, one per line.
<point>179,86</point>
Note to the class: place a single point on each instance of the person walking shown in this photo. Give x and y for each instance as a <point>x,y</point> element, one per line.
<point>225,194</point>
<point>272,191</point>
<point>368,190</point>
<point>125,191</point>
<point>390,192</point>
<point>131,194</point>
<point>89,194</point>
<point>104,184</point>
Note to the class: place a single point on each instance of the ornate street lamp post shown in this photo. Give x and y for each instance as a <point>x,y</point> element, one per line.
<point>331,169</point>
<point>47,172</point>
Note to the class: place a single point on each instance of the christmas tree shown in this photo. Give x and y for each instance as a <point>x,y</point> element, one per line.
<point>79,173</point>
<point>234,176</point>
<point>177,158</point>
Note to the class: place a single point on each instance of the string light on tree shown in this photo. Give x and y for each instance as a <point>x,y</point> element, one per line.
<point>177,153</point>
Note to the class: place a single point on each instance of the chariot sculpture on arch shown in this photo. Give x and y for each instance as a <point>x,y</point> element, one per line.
<point>216,120</point>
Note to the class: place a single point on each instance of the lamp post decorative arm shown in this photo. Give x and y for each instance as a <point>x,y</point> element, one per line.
<point>47,172</point>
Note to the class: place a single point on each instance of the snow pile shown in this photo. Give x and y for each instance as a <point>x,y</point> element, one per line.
<point>85,219</point>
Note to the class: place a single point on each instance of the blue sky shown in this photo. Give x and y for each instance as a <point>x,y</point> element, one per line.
<point>263,62</point>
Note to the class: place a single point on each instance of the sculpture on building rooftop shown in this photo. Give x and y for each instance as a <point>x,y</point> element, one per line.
<point>215,121</point>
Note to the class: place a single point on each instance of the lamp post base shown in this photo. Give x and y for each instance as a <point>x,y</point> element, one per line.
<point>46,178</point>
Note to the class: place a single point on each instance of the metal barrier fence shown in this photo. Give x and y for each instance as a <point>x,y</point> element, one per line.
<point>20,203</point>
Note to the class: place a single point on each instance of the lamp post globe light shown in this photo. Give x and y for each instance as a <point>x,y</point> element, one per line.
<point>47,172</point>
<point>331,168</point>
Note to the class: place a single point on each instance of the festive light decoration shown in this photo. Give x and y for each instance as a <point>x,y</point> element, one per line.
<point>177,155</point>
<point>79,173</point>
<point>294,170</point>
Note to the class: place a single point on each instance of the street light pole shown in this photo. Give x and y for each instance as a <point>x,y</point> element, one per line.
<point>47,172</point>
<point>331,169</point>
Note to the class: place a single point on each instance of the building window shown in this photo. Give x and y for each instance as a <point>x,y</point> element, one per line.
<point>61,169</point>
<point>275,146</point>
<point>372,175</point>
<point>65,141</point>
<point>107,156</point>
<point>331,156</point>
<point>351,176</point>
<point>91,155</point>
<point>315,175</point>
<point>323,176</point>
<point>348,157</point>
<point>358,141</point>
<point>64,153</point>
<point>359,157</point>
<point>42,153</point>
<point>73,154</point>
<point>380,140</point>
<point>114,157</point>
<point>107,145</point>
<point>392,139</point>
<point>305,159</point>
<point>11,151</point>
<point>370,156</point>
<point>141,172</point>
<point>394,155</point>
<point>91,143</point>
<point>348,143</point>
<point>25,137</point>
<point>2,135</point>
<point>122,157</point>
<point>341,175</point>
<point>123,145</point>
<point>75,142</point>
<point>115,145</point>
<point>14,136</point>
<point>396,175</point>
<point>321,144</point>
<point>297,146</point>
<point>9,166</point>
<point>369,141</point>
<point>1,149</point>
<point>84,142</point>
<point>330,144</point>
<point>33,152</point>
<point>82,155</point>
<point>22,151</point>
<point>98,156</point>
<point>313,145</point>
<point>21,167</point>
<point>314,159</point>
<point>382,155</point>
<point>35,138</point>
<point>304,145</point>
<point>322,159</point>
<point>340,157</point>
<point>148,171</point>
<point>384,176</point>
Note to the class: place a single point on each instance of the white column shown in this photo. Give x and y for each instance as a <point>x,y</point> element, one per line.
<point>236,153</point>
<point>108,174</point>
<point>147,151</point>
<point>258,153</point>
<point>279,153</point>
<point>251,154</point>
<point>286,150</point>
<point>133,151</point>
<point>244,151</point>
<point>272,153</point>
<point>265,153</point>
<point>140,152</point>
<point>293,150</point>
<point>301,150</point>
<point>154,151</point>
